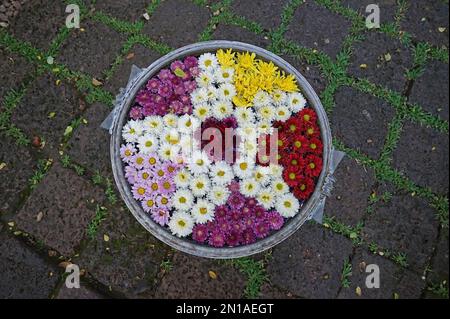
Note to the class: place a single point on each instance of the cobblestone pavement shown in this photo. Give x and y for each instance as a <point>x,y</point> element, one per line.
<point>386,93</point>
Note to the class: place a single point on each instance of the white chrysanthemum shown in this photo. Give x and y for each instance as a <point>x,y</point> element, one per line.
<point>248,148</point>
<point>287,205</point>
<point>261,174</point>
<point>182,179</point>
<point>188,145</point>
<point>264,127</point>
<point>247,132</point>
<point>168,152</point>
<point>279,187</point>
<point>153,124</point>
<point>275,170</point>
<point>282,113</point>
<point>219,195</point>
<point>213,94</point>
<point>187,124</point>
<point>205,79</point>
<point>262,99</point>
<point>266,113</point>
<point>170,120</point>
<point>182,199</point>
<point>170,136</point>
<point>222,109</point>
<point>227,91</point>
<point>244,115</point>
<point>132,131</point>
<point>200,185</point>
<point>279,98</point>
<point>224,75</point>
<point>202,111</point>
<point>221,173</point>
<point>199,96</point>
<point>199,163</point>
<point>181,224</point>
<point>147,144</point>
<point>243,167</point>
<point>208,61</point>
<point>203,211</point>
<point>266,198</point>
<point>296,102</point>
<point>249,187</point>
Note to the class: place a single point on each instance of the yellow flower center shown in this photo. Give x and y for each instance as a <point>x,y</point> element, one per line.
<point>313,146</point>
<point>292,176</point>
<point>203,210</point>
<point>141,191</point>
<point>166,185</point>
<point>164,201</point>
<point>145,175</point>
<point>182,200</point>
<point>152,160</point>
<point>154,186</point>
<point>243,166</point>
<point>200,185</point>
<point>139,160</point>
<point>298,144</point>
<point>306,117</point>
<point>287,204</point>
<point>150,203</point>
<point>160,172</point>
<point>148,144</point>
<point>181,223</point>
<point>312,165</point>
<point>128,153</point>
<point>221,173</point>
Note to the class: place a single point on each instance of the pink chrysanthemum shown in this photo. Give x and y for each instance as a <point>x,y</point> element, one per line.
<point>217,239</point>
<point>200,233</point>
<point>261,229</point>
<point>190,62</point>
<point>221,211</point>
<point>248,236</point>
<point>236,200</point>
<point>233,239</point>
<point>275,220</point>
<point>161,216</point>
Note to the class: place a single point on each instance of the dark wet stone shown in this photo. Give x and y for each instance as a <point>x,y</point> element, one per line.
<point>84,292</point>
<point>266,12</point>
<point>361,120</point>
<point>269,291</point>
<point>15,70</point>
<point>387,61</point>
<point>190,278</point>
<point>348,200</point>
<point>393,279</point>
<point>128,263</point>
<point>122,9</point>
<point>67,202</point>
<point>309,263</point>
<point>42,98</point>
<point>430,90</point>
<point>39,21</point>
<point>93,50</point>
<point>405,224</point>
<point>23,273</point>
<point>428,167</point>
<point>423,20</point>
<point>139,56</point>
<point>439,262</point>
<point>388,8</point>
<point>191,19</point>
<point>235,33</point>
<point>89,145</point>
<point>316,27</point>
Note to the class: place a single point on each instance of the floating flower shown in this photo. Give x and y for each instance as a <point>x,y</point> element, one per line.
<point>181,224</point>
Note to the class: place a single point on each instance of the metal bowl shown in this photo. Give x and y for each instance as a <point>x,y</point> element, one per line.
<point>314,203</point>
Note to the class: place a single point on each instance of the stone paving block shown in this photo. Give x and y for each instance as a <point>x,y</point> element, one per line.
<point>348,201</point>
<point>266,12</point>
<point>361,120</point>
<point>310,262</point>
<point>15,70</point>
<point>388,8</point>
<point>190,279</point>
<point>39,21</point>
<point>235,33</point>
<point>393,279</point>
<point>93,50</point>
<point>129,260</point>
<point>385,61</point>
<point>430,90</point>
<point>67,202</point>
<point>89,145</point>
<point>123,10</point>
<point>42,98</point>
<point>23,273</point>
<point>312,73</point>
<point>439,263</point>
<point>139,56</point>
<point>424,20</point>
<point>268,291</point>
<point>177,22</point>
<point>84,292</point>
<point>405,224</point>
<point>316,27</point>
<point>422,155</point>
<point>19,166</point>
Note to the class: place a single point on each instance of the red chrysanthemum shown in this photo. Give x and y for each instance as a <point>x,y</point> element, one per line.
<point>311,130</point>
<point>308,115</point>
<point>292,126</point>
<point>299,143</point>
<point>314,146</point>
<point>304,188</point>
<point>294,161</point>
<point>313,165</point>
<point>292,176</point>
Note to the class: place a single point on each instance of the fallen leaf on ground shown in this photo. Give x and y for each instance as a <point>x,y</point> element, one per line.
<point>39,216</point>
<point>212,274</point>
<point>358,291</point>
<point>130,56</point>
<point>105,237</point>
<point>96,82</point>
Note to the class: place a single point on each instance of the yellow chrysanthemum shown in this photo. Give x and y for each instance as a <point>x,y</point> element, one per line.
<point>246,60</point>
<point>226,58</point>
<point>286,83</point>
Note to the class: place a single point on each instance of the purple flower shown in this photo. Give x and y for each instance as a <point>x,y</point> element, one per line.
<point>139,191</point>
<point>153,85</point>
<point>161,109</point>
<point>185,99</point>
<point>236,200</point>
<point>200,233</point>
<point>166,186</point>
<point>177,65</point>
<point>217,239</point>
<point>234,186</point>
<point>179,89</point>
<point>261,229</point>
<point>177,107</point>
<point>190,62</point>
<point>246,211</point>
<point>223,225</point>
<point>190,86</point>
<point>251,202</point>
<point>131,174</point>
<point>275,220</point>
<point>248,236</point>
<point>233,239</point>
<point>248,221</point>
<point>259,212</point>
<point>148,109</point>
<point>235,215</point>
<point>221,211</point>
<point>161,216</point>
<point>126,152</point>
<point>165,75</point>
<point>195,71</point>
<point>157,99</point>
<point>143,97</point>
<point>165,90</point>
<point>237,226</point>
<point>136,113</point>
<point>230,122</point>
